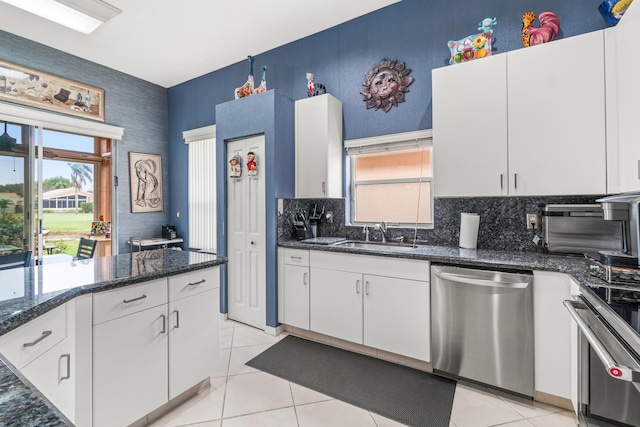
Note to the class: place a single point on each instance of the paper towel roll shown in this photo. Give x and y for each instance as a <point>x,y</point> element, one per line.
<point>469,223</point>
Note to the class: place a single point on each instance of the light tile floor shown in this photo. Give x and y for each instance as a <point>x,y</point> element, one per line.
<point>240,396</point>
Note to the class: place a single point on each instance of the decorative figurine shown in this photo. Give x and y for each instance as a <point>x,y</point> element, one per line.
<point>263,83</point>
<point>612,10</point>
<point>474,46</point>
<point>247,88</point>
<point>549,27</point>
<point>385,84</point>
<point>314,89</point>
<point>252,165</point>
<point>235,167</point>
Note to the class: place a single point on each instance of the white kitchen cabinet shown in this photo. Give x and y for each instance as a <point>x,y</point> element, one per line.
<point>336,303</point>
<point>555,337</point>
<point>470,128</point>
<point>379,302</point>
<point>130,362</point>
<point>623,103</point>
<point>528,122</point>
<point>556,109</point>
<point>155,340</point>
<point>296,288</point>
<point>319,147</point>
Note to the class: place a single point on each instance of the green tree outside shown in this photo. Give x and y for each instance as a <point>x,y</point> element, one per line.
<point>80,174</point>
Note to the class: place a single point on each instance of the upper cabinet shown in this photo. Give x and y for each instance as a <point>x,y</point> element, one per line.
<point>319,150</point>
<point>623,103</point>
<point>528,122</point>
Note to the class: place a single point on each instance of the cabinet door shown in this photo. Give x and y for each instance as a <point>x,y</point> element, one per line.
<point>296,296</point>
<point>319,147</point>
<point>130,367</point>
<point>470,128</point>
<point>52,373</point>
<point>397,316</point>
<point>556,98</point>
<point>552,334</point>
<point>193,340</point>
<point>336,304</point>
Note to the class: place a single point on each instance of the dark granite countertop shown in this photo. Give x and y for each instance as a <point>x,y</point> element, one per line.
<point>27,293</point>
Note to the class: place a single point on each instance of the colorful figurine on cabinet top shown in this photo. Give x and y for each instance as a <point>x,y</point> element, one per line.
<point>474,46</point>
<point>313,88</point>
<point>247,88</point>
<point>549,27</point>
<point>612,10</point>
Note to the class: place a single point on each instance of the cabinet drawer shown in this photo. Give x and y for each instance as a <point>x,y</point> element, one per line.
<point>296,257</point>
<point>23,345</point>
<point>120,302</point>
<point>194,282</point>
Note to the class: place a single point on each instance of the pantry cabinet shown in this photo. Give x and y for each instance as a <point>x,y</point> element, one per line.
<point>319,147</point>
<point>375,301</point>
<point>527,122</point>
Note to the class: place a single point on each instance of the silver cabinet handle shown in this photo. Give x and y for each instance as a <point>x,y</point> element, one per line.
<point>164,324</point>
<point>366,287</point>
<point>43,336</point>
<point>177,318</point>
<point>357,286</point>
<point>295,257</point>
<point>501,181</point>
<point>515,180</point>
<point>197,283</point>
<point>304,278</point>
<point>68,357</point>
<point>127,301</point>
<point>324,187</point>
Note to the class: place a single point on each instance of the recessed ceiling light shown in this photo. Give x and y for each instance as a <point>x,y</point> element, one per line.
<point>81,15</point>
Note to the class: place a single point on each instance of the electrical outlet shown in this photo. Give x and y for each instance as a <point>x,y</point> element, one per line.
<point>329,216</point>
<point>532,221</point>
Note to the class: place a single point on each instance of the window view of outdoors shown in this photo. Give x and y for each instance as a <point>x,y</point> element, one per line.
<point>67,191</point>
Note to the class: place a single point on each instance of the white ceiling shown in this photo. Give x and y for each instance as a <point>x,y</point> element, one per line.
<point>168,42</point>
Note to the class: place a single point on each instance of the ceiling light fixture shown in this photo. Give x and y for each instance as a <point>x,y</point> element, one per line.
<point>81,15</point>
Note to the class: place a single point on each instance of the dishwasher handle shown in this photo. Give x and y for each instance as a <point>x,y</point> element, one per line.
<point>480,282</point>
<point>613,368</point>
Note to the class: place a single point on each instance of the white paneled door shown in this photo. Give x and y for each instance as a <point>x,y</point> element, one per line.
<point>246,235</point>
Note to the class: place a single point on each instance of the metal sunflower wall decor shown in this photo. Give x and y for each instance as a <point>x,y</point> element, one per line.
<point>385,84</point>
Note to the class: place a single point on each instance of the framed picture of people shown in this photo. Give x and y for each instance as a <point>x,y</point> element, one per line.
<point>145,177</point>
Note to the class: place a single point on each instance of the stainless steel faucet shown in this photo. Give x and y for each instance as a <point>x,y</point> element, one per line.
<point>383,229</point>
<point>365,229</point>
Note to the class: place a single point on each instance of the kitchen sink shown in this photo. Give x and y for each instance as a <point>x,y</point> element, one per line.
<point>380,246</point>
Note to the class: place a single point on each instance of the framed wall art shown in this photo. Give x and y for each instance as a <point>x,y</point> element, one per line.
<point>26,86</point>
<point>145,177</point>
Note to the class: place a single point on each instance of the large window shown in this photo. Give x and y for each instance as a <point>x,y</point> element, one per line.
<point>391,180</point>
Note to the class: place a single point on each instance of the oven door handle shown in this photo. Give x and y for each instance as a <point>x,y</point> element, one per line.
<point>613,368</point>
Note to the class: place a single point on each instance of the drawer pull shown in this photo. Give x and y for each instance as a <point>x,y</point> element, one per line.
<point>177,318</point>
<point>68,357</point>
<point>295,257</point>
<point>197,283</point>
<point>44,335</point>
<point>127,301</point>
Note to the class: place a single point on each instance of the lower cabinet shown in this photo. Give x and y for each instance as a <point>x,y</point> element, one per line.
<point>296,288</point>
<point>146,357</point>
<point>555,336</point>
<point>379,302</point>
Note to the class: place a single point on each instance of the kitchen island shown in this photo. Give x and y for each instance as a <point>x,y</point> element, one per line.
<point>28,294</point>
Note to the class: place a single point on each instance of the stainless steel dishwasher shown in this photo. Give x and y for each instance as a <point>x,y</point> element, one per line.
<point>482,326</point>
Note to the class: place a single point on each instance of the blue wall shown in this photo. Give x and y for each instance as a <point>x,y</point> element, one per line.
<point>413,31</point>
<point>138,106</point>
<point>271,114</point>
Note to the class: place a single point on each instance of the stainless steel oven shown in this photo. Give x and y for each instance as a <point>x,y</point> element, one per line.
<point>609,355</point>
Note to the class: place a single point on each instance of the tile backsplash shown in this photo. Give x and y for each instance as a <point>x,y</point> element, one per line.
<point>502,221</point>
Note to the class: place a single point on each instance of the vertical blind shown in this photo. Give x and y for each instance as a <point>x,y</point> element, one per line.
<point>202,194</point>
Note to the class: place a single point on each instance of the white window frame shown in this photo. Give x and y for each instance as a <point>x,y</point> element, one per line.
<point>382,144</point>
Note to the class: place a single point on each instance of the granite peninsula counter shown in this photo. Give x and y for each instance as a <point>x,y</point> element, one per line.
<point>28,293</point>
